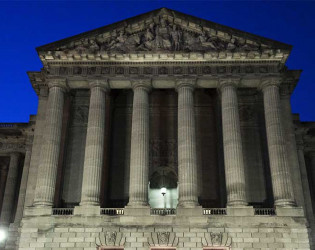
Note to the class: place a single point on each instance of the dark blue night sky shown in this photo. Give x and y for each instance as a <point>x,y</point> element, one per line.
<point>26,25</point>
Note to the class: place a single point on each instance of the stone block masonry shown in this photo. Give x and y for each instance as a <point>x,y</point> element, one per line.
<point>139,233</point>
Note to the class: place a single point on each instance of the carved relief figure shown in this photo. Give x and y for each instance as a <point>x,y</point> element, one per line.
<point>161,36</point>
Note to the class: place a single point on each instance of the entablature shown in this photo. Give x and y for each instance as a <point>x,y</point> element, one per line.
<point>163,75</point>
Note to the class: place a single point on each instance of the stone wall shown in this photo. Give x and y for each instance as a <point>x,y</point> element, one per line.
<point>188,233</point>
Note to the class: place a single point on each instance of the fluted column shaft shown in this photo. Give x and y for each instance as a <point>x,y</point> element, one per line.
<point>94,149</point>
<point>279,165</point>
<point>139,156</point>
<point>22,192</point>
<point>312,159</point>
<point>10,190</point>
<point>232,145</point>
<point>47,169</point>
<point>187,157</point>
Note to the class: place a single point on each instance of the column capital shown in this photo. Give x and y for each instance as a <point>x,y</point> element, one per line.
<point>270,81</point>
<point>101,83</point>
<point>60,83</point>
<point>144,83</point>
<point>229,81</point>
<point>185,82</point>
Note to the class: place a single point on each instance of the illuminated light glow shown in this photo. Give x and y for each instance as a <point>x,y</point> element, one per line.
<point>163,190</point>
<point>2,234</point>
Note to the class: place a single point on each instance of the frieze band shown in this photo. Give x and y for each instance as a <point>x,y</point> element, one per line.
<point>161,70</point>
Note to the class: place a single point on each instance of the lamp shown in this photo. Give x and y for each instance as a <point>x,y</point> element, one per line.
<point>163,191</point>
<point>3,235</point>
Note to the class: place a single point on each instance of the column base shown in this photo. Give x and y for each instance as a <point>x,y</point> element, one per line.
<point>290,211</point>
<point>38,211</point>
<point>285,203</point>
<point>189,211</point>
<point>240,211</point>
<point>87,210</point>
<point>237,203</point>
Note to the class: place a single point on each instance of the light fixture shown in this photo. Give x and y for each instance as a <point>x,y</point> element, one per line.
<point>3,235</point>
<point>163,191</point>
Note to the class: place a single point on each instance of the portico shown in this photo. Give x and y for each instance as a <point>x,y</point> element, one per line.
<point>162,130</point>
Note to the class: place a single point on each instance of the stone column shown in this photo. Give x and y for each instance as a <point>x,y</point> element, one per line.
<point>187,157</point>
<point>311,155</point>
<point>10,189</point>
<point>36,147</point>
<point>3,178</point>
<point>22,192</point>
<point>232,144</point>
<point>94,148</point>
<point>139,155</point>
<point>291,143</point>
<point>47,169</point>
<point>279,165</point>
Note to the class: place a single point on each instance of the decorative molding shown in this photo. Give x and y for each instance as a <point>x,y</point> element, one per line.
<point>111,238</point>
<point>11,146</point>
<point>134,70</point>
<point>163,239</point>
<point>216,240</point>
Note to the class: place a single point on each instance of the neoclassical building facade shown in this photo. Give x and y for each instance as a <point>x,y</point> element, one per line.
<point>162,131</point>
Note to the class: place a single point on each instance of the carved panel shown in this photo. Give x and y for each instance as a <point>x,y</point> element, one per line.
<point>216,240</point>
<point>110,239</point>
<point>163,239</point>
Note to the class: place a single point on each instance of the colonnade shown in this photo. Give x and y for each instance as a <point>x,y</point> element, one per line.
<point>187,158</point>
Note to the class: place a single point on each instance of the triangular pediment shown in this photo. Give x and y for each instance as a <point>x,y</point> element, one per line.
<point>164,31</point>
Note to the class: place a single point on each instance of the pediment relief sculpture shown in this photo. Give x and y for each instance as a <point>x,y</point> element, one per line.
<point>162,36</point>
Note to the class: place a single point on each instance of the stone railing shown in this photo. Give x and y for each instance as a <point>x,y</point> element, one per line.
<point>62,211</point>
<point>214,211</point>
<point>265,211</point>
<point>163,211</point>
<point>112,211</point>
